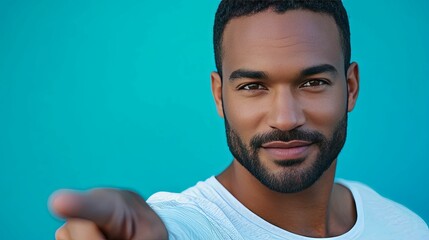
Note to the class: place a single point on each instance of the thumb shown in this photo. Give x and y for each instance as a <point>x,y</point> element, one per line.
<point>119,214</point>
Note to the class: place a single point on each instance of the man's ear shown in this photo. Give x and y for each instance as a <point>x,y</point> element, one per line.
<point>217,92</point>
<point>352,85</point>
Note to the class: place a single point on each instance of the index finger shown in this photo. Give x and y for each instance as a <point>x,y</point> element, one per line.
<point>95,205</point>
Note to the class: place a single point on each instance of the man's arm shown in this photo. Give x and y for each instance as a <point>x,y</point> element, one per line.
<point>106,214</point>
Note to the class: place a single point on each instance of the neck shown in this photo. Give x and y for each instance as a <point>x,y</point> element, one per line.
<point>312,212</point>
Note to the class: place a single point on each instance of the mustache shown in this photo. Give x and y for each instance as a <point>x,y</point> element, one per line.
<point>285,136</point>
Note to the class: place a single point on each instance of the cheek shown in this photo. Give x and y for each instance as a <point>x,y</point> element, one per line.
<point>324,113</point>
<point>244,115</point>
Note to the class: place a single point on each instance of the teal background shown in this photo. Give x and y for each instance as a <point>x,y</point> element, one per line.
<point>117,94</point>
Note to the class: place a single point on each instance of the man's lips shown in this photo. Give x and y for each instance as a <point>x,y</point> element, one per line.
<point>290,144</point>
<point>294,149</point>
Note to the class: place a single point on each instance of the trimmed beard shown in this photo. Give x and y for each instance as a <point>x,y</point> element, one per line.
<point>293,177</point>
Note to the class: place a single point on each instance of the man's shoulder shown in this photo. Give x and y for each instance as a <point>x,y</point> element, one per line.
<point>193,213</point>
<point>202,191</point>
<point>201,200</point>
<point>383,213</point>
<point>370,199</point>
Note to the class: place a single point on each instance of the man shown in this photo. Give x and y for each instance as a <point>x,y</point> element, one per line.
<point>284,85</point>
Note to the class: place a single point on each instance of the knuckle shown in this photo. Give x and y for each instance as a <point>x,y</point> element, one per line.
<point>130,194</point>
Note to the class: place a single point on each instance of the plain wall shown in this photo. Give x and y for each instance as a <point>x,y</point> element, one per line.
<point>117,94</point>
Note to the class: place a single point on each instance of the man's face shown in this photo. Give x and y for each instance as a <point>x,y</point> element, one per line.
<point>285,96</point>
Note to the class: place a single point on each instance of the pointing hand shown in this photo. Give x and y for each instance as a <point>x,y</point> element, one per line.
<point>106,214</point>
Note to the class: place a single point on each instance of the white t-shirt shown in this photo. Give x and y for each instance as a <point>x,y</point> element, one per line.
<point>209,211</point>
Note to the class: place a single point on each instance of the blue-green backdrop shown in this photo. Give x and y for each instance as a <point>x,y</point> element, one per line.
<point>117,93</point>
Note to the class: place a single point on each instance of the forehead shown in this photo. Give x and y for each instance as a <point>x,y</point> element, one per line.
<point>289,41</point>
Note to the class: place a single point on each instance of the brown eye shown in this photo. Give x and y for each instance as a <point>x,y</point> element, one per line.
<point>252,86</point>
<point>314,83</point>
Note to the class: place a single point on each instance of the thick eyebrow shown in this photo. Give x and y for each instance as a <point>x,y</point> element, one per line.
<point>323,68</point>
<point>260,75</point>
<point>244,73</point>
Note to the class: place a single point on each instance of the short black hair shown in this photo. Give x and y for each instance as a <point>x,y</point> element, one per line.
<point>229,9</point>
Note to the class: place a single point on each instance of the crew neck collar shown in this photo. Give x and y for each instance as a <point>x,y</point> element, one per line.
<point>353,233</point>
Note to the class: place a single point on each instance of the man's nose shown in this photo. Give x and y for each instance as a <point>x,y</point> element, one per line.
<point>285,112</point>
